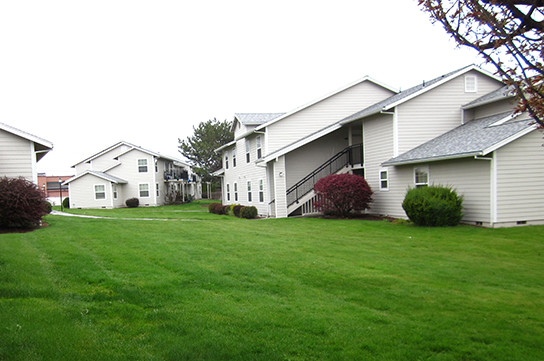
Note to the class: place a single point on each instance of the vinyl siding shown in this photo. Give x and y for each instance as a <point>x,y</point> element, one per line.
<point>472,179</point>
<point>437,111</point>
<point>82,193</point>
<point>378,147</point>
<point>520,170</point>
<point>304,160</point>
<point>103,162</point>
<point>16,156</point>
<point>494,108</point>
<point>244,172</point>
<point>128,170</point>
<point>323,113</point>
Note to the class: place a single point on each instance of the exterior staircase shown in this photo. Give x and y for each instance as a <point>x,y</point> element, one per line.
<point>301,196</point>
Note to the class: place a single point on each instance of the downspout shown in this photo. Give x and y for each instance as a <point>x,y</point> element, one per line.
<point>493,187</point>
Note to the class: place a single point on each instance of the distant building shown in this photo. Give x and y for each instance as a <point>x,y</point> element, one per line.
<point>51,187</point>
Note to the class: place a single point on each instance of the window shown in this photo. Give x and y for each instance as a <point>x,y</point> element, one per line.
<point>248,147</point>
<point>259,151</point>
<point>114,188</point>
<point>471,84</point>
<point>144,190</point>
<point>249,191</point>
<point>156,165</point>
<point>100,191</point>
<point>234,158</point>
<point>235,192</point>
<point>421,177</point>
<point>228,192</point>
<point>261,190</point>
<point>384,180</point>
<point>157,188</point>
<point>226,160</point>
<point>142,165</point>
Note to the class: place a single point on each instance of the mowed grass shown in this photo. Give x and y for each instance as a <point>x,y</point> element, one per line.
<point>223,288</point>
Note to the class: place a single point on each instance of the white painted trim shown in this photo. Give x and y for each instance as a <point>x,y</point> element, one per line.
<point>493,189</point>
<point>296,110</point>
<point>467,89</point>
<point>509,139</point>
<point>33,163</point>
<point>23,134</point>
<point>504,120</point>
<point>380,179</point>
<point>396,132</point>
<point>427,170</point>
<point>111,192</point>
<point>105,192</point>
<point>148,190</point>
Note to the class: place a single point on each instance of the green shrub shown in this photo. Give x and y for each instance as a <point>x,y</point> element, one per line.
<point>48,207</point>
<point>226,209</point>
<point>248,212</point>
<point>216,208</point>
<point>22,204</point>
<point>66,202</point>
<point>433,206</point>
<point>132,202</point>
<point>236,210</point>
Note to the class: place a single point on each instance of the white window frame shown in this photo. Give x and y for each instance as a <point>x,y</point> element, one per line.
<point>259,147</point>
<point>235,186</point>
<point>234,158</point>
<point>226,160</point>
<point>381,179</point>
<point>249,195</point>
<point>261,191</point>
<point>140,190</point>
<point>248,151</point>
<point>158,191</point>
<point>471,83</point>
<point>97,192</point>
<point>140,166</point>
<point>421,184</point>
<point>114,190</point>
<point>228,193</point>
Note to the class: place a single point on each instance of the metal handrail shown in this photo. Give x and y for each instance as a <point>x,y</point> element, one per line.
<point>348,156</point>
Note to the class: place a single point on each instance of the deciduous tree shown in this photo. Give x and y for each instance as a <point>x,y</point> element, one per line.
<point>509,34</point>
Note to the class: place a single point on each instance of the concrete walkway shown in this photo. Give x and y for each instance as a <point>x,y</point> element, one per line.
<point>58,213</point>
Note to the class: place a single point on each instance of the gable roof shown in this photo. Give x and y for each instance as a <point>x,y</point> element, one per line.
<point>365,78</point>
<point>254,118</point>
<point>413,92</point>
<point>23,134</point>
<point>105,176</point>
<point>475,138</point>
<point>132,147</point>
<point>505,92</point>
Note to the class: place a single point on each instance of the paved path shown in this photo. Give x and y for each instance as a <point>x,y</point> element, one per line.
<point>58,213</point>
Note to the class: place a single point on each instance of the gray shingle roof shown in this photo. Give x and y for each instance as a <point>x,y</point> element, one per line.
<point>470,139</point>
<point>256,118</point>
<point>506,91</point>
<point>376,108</point>
<point>102,175</point>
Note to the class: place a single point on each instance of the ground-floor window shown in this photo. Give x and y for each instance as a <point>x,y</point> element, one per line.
<point>421,176</point>
<point>236,192</point>
<point>249,191</point>
<point>114,188</point>
<point>261,190</point>
<point>384,180</point>
<point>228,192</point>
<point>144,190</point>
<point>100,191</point>
<point>157,186</point>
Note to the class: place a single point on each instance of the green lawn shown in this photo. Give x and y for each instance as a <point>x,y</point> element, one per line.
<point>222,288</point>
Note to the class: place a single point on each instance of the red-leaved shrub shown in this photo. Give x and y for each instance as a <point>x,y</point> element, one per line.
<point>341,194</point>
<point>22,204</point>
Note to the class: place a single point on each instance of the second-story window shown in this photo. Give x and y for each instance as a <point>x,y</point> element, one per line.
<point>248,156</point>
<point>259,147</point>
<point>142,165</point>
<point>227,160</point>
<point>234,158</point>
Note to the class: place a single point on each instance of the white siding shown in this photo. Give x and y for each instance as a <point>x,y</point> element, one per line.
<point>16,156</point>
<point>82,193</point>
<point>103,162</point>
<point>437,111</point>
<point>323,113</point>
<point>128,170</point>
<point>520,170</point>
<point>244,172</point>
<point>300,162</point>
<point>472,179</point>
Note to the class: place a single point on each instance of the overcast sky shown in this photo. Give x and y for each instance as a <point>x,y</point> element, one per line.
<point>87,74</point>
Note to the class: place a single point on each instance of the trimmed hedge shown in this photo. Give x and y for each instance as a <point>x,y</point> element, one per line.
<point>22,204</point>
<point>248,212</point>
<point>217,208</point>
<point>66,203</point>
<point>433,206</point>
<point>132,202</point>
<point>236,210</point>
